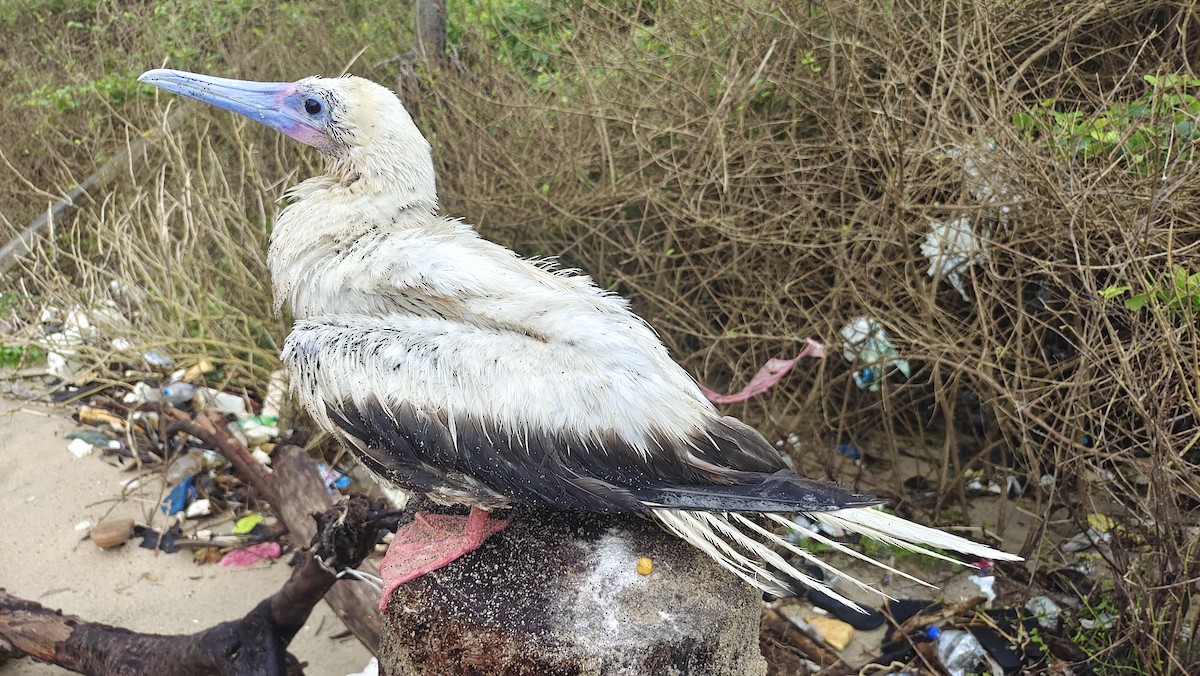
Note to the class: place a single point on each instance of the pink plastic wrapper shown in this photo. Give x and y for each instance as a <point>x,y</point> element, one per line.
<point>771,372</point>
<point>248,556</point>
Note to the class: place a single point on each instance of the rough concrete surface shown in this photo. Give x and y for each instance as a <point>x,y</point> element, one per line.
<point>560,594</point>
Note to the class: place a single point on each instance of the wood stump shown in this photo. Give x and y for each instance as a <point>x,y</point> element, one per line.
<point>560,593</point>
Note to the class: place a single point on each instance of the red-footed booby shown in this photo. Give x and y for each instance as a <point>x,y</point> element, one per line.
<point>452,367</point>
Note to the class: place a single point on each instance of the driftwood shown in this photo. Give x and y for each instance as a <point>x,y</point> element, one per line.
<point>254,644</point>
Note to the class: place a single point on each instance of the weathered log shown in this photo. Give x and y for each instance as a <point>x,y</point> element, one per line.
<point>255,644</point>
<point>561,594</point>
<point>304,494</point>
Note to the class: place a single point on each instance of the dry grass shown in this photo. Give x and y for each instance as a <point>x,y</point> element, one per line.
<point>753,173</point>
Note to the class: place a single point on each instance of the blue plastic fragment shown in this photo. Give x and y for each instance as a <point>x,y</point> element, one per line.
<point>933,632</point>
<point>849,450</point>
<point>179,497</point>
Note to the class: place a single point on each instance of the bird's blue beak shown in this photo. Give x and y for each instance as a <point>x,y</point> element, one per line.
<point>279,105</point>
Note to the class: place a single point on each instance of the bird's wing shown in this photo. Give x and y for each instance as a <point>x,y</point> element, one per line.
<point>495,377</point>
<point>454,410</point>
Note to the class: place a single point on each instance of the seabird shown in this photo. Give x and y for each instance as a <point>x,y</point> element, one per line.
<point>450,366</point>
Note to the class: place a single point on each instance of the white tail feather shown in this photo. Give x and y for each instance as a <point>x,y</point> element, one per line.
<point>721,536</point>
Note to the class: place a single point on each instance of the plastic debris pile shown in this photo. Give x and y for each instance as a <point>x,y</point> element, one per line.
<point>149,429</point>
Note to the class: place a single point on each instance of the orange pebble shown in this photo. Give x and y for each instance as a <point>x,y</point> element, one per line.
<point>645,566</point>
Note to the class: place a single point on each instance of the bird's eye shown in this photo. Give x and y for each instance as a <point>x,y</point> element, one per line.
<point>312,106</point>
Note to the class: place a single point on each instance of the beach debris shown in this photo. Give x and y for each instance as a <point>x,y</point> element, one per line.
<point>258,429</point>
<point>247,523</point>
<point>770,373</point>
<point>196,372</point>
<point>833,631</point>
<point>187,465</point>
<point>90,415</point>
<point>80,448</point>
<point>248,556</point>
<point>198,508</point>
<point>959,651</point>
<point>1045,610</point>
<point>333,479</point>
<point>112,533</point>
<point>178,393</point>
<point>951,249</point>
<point>224,402</point>
<point>164,541</point>
<point>273,401</point>
<point>986,178</point>
<point>987,585</point>
<point>179,497</point>
<point>1100,621</point>
<point>94,439</point>
<point>158,360</point>
<point>865,344</point>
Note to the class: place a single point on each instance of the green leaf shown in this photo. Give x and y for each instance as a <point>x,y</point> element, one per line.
<point>1111,292</point>
<point>1024,122</point>
<point>1137,302</point>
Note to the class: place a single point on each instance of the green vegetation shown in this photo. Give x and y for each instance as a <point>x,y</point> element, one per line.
<point>1178,292</point>
<point>1154,132</point>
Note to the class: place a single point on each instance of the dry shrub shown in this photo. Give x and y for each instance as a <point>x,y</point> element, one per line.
<point>752,173</point>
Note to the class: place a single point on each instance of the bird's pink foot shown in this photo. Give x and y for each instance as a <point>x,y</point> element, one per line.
<point>430,542</point>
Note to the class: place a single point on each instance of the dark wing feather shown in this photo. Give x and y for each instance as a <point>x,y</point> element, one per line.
<point>728,468</point>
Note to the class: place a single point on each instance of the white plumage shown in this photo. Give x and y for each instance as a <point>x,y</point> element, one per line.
<point>453,367</point>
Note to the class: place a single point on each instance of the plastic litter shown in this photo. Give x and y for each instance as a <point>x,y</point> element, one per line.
<point>866,345</point>
<point>80,448</point>
<point>258,429</point>
<point>276,388</point>
<point>178,393</point>
<point>225,403</point>
<point>836,633</point>
<point>98,416</point>
<point>199,508</point>
<point>770,373</point>
<point>986,179</point>
<point>247,523</point>
<point>333,479</point>
<point>96,439</point>
<point>952,248</point>
<point>157,359</point>
<point>179,497</point>
<point>1045,610</point>
<point>959,652</point>
<point>987,585</point>
<point>153,540</point>
<point>196,372</point>
<point>187,465</point>
<point>248,556</point>
<point>1089,539</point>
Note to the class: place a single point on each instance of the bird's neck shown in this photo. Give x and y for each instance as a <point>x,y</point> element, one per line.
<point>330,217</point>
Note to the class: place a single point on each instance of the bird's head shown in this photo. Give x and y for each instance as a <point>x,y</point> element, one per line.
<point>360,127</point>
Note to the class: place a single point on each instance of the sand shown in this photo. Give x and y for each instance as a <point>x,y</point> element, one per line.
<point>45,491</point>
